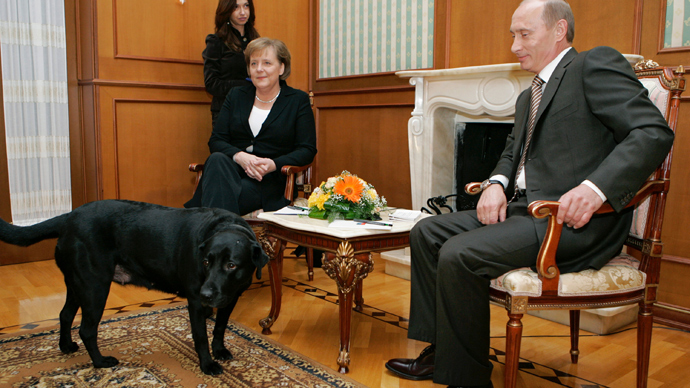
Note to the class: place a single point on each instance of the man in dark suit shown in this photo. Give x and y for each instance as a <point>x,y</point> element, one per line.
<point>595,136</point>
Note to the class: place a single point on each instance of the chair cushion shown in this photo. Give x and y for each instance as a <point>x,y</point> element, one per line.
<point>620,275</point>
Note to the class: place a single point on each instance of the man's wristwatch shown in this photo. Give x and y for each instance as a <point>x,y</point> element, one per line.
<point>490,182</point>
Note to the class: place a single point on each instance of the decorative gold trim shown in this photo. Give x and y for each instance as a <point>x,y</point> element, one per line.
<point>646,293</point>
<point>344,358</point>
<point>266,244</point>
<point>652,247</point>
<point>345,265</point>
<point>514,324</point>
<point>266,322</point>
<point>673,84</point>
<point>646,65</point>
<point>666,307</point>
<point>517,304</point>
<point>580,306</point>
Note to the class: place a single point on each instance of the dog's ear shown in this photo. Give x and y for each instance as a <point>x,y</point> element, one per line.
<point>259,258</point>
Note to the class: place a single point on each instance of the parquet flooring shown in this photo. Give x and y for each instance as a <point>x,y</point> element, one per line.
<point>31,295</point>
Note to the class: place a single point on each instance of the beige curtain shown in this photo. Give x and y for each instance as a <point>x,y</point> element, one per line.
<point>34,79</point>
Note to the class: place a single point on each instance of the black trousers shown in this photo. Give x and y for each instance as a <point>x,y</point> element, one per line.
<point>454,257</point>
<point>225,185</point>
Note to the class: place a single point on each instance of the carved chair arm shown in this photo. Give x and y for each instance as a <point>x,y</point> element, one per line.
<point>290,171</point>
<point>546,260</point>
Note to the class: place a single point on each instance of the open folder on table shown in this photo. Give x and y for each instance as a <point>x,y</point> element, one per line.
<point>350,224</point>
<point>293,211</point>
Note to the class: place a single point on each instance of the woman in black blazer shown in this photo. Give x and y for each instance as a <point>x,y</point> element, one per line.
<point>224,64</point>
<point>260,128</point>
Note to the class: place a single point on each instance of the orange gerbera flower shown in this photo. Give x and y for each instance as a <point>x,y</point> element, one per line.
<point>349,187</point>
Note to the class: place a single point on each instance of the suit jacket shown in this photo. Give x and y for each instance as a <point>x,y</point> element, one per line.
<point>287,136</point>
<point>594,122</point>
<point>223,69</point>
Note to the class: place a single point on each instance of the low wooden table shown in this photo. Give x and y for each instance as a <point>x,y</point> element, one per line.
<point>347,260</point>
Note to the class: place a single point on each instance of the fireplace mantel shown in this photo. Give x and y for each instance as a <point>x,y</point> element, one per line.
<point>443,98</point>
<point>446,97</point>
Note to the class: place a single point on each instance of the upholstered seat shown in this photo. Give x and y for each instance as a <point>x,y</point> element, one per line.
<point>620,275</point>
<point>625,280</point>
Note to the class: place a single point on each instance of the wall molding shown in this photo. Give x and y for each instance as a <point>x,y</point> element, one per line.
<point>676,259</point>
<point>380,89</point>
<point>637,27</point>
<point>115,103</point>
<point>116,54</point>
<point>139,84</point>
<point>365,106</point>
<point>672,315</point>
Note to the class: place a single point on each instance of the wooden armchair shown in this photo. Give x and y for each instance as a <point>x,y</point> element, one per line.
<point>624,280</point>
<point>291,172</point>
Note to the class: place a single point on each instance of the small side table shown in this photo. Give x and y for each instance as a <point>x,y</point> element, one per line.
<point>347,260</point>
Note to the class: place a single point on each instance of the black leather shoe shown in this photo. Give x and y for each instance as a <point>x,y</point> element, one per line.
<point>490,385</point>
<point>420,368</point>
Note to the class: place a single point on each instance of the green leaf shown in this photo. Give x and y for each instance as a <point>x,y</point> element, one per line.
<point>321,214</point>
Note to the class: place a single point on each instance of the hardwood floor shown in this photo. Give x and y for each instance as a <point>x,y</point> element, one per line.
<point>33,293</point>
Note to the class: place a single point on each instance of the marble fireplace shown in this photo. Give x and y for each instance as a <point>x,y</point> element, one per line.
<point>444,101</point>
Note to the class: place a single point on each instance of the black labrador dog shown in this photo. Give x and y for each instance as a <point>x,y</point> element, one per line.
<point>206,255</point>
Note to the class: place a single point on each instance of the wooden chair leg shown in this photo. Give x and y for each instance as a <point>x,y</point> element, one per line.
<point>574,335</point>
<point>513,339</point>
<point>310,263</point>
<point>644,342</point>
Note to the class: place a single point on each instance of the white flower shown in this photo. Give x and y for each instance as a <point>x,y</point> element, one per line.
<point>331,182</point>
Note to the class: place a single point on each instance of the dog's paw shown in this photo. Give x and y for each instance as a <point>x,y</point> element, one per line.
<point>212,368</point>
<point>222,354</point>
<point>70,347</point>
<point>106,362</point>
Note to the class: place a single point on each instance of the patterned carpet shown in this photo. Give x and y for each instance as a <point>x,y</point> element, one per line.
<point>155,349</point>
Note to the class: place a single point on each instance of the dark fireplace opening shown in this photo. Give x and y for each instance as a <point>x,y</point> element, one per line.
<point>478,146</point>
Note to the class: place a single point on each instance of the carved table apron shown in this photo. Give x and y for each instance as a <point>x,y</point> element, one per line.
<point>347,260</point>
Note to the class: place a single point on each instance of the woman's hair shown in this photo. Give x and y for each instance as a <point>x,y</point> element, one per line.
<point>261,44</point>
<point>224,28</point>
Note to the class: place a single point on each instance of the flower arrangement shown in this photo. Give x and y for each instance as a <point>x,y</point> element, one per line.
<point>345,196</point>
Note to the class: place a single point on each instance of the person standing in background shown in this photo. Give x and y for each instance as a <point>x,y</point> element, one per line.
<point>224,63</point>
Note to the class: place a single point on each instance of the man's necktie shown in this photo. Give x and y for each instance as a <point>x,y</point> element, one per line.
<point>534,105</point>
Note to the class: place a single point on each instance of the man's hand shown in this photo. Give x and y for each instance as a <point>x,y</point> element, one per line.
<point>492,205</point>
<point>577,206</point>
<point>254,166</point>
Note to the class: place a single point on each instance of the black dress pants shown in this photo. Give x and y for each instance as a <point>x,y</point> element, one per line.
<point>454,257</point>
<point>225,185</point>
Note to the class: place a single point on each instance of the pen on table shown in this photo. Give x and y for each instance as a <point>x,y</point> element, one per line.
<point>297,207</point>
<point>373,222</point>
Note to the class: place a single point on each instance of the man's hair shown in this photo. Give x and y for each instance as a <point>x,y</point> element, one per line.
<point>555,10</point>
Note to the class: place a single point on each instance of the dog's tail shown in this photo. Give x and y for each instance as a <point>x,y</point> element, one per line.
<point>29,235</point>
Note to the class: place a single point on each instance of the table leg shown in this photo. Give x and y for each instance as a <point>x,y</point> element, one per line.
<point>359,299</point>
<point>274,249</point>
<point>348,270</point>
<point>310,263</point>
